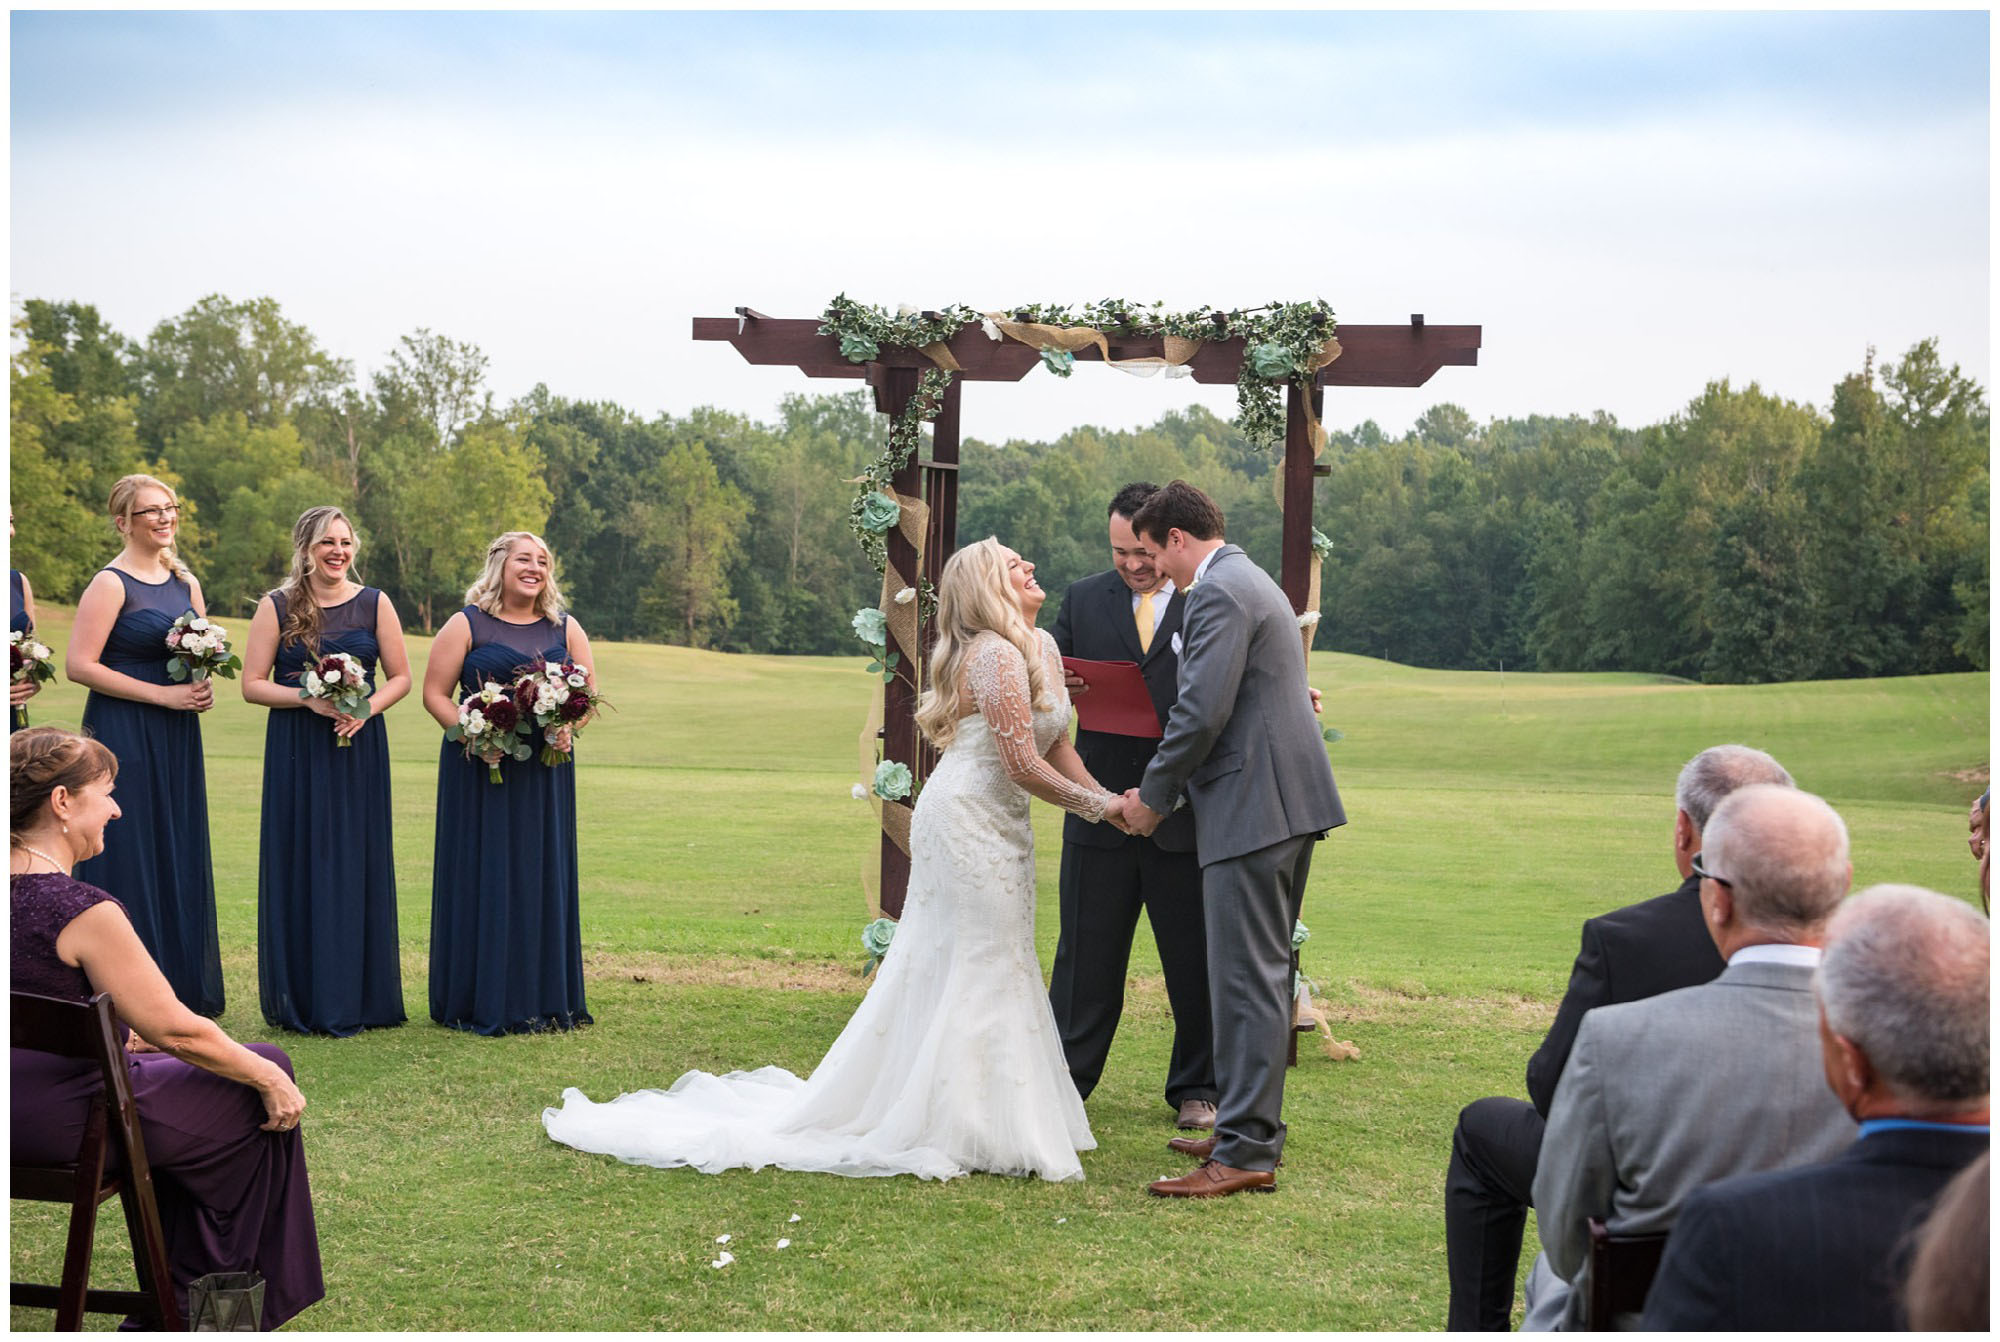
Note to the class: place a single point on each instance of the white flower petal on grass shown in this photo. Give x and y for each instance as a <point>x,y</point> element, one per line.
<point>722,1239</point>
<point>795,1215</point>
<point>724,1259</point>
<point>784,1244</point>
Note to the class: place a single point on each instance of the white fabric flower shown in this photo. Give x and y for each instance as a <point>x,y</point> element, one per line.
<point>859,793</point>
<point>1309,619</point>
<point>992,331</point>
<point>906,596</point>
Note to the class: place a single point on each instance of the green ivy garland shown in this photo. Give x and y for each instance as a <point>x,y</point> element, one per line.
<point>1280,341</point>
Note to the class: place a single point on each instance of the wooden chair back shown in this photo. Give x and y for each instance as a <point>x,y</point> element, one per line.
<point>1621,1271</point>
<point>88,1031</point>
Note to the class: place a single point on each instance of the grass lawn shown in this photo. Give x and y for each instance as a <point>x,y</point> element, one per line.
<point>722,857</point>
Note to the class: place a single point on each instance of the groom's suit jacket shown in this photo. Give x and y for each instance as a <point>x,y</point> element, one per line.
<point>1096,623</point>
<point>1242,741</point>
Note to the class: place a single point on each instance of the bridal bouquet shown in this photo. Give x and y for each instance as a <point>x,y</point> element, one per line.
<point>489,720</point>
<point>201,650</point>
<point>30,660</point>
<point>556,695</point>
<point>339,679</point>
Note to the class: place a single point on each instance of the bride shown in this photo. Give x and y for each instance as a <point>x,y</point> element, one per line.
<point>951,1063</point>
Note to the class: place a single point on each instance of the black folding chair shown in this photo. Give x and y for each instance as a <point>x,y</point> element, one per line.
<point>88,1031</point>
<point>1621,1270</point>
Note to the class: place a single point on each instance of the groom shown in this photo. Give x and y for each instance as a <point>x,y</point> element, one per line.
<point>1241,742</point>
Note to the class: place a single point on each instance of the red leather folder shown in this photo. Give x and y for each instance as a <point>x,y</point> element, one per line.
<point>1117,702</point>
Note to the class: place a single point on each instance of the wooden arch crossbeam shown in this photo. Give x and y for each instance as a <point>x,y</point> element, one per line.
<point>1371,356</point>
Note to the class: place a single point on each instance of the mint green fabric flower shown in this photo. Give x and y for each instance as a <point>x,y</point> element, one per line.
<point>876,937</point>
<point>1270,359</point>
<point>1059,361</point>
<point>1299,934</point>
<point>859,349</point>
<point>879,512</point>
<point>892,780</point>
<point>871,626</point>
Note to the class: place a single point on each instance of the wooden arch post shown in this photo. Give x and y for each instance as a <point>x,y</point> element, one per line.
<point>1371,356</point>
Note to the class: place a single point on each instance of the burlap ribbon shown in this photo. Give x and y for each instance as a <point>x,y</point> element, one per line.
<point>912,521</point>
<point>1176,350</point>
<point>1316,435</point>
<point>940,354</point>
<point>1306,631</point>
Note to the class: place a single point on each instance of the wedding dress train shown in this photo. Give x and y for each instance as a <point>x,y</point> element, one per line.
<point>952,1062</point>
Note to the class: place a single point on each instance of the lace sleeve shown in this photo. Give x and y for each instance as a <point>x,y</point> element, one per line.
<point>997,680</point>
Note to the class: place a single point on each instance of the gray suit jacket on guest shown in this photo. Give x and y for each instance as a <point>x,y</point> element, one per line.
<point>1664,1095</point>
<point>1241,740</point>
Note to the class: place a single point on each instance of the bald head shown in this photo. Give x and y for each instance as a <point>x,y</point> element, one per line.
<point>1905,980</point>
<point>1782,856</point>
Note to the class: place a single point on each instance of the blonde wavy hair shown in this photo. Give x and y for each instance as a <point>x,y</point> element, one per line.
<point>485,590</point>
<point>974,598</point>
<point>302,613</point>
<point>125,494</point>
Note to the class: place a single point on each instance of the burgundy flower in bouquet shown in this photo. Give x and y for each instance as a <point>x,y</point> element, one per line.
<point>489,720</point>
<point>557,696</point>
<point>337,678</point>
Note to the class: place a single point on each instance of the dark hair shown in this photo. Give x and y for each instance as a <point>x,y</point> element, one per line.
<point>1947,1287</point>
<point>47,758</point>
<point>1127,501</point>
<point>1178,506</point>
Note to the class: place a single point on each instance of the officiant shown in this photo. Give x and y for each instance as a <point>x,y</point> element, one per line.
<point>1132,613</point>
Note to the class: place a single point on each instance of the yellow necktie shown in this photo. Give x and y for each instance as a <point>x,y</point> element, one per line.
<point>1145,618</point>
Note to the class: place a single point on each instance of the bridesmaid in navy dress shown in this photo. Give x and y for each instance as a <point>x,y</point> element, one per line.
<point>21,620</point>
<point>158,861</point>
<point>506,945</point>
<point>327,957</point>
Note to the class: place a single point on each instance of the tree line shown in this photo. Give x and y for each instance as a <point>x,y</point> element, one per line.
<point>1746,538</point>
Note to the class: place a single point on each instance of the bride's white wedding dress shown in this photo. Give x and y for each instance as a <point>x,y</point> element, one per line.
<point>951,1063</point>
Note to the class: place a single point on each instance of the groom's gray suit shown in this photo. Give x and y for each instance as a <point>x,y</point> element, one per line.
<point>1243,744</point>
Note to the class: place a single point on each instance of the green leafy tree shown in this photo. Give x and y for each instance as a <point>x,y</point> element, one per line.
<point>689,524</point>
<point>224,357</point>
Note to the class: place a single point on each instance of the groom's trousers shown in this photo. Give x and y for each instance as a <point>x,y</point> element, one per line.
<point>1251,903</point>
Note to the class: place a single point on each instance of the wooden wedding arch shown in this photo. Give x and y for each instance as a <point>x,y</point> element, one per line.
<point>1370,356</point>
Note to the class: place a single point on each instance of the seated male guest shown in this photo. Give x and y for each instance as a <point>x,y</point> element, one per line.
<point>1635,952</point>
<point>1664,1095</point>
<point>220,1121</point>
<point>1903,1038</point>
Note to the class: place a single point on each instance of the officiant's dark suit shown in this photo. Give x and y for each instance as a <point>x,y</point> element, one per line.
<point>1108,876</point>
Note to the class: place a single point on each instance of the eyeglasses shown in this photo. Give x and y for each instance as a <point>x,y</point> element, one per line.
<point>1694,865</point>
<point>152,515</point>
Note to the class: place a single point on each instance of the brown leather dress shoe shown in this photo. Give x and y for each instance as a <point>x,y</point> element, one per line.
<point>1213,1181</point>
<point>1201,1148</point>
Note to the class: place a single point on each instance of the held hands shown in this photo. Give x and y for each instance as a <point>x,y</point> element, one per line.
<point>1137,817</point>
<point>343,725</point>
<point>1074,683</point>
<point>23,690</point>
<point>1315,694</point>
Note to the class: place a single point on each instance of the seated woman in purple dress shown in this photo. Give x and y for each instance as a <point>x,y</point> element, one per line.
<point>220,1120</point>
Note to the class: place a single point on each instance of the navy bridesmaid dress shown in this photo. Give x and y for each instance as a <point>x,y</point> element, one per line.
<point>155,858</point>
<point>506,943</point>
<point>327,959</point>
<point>17,622</point>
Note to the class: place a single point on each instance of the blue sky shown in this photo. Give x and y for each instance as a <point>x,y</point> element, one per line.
<point>1631,204</point>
